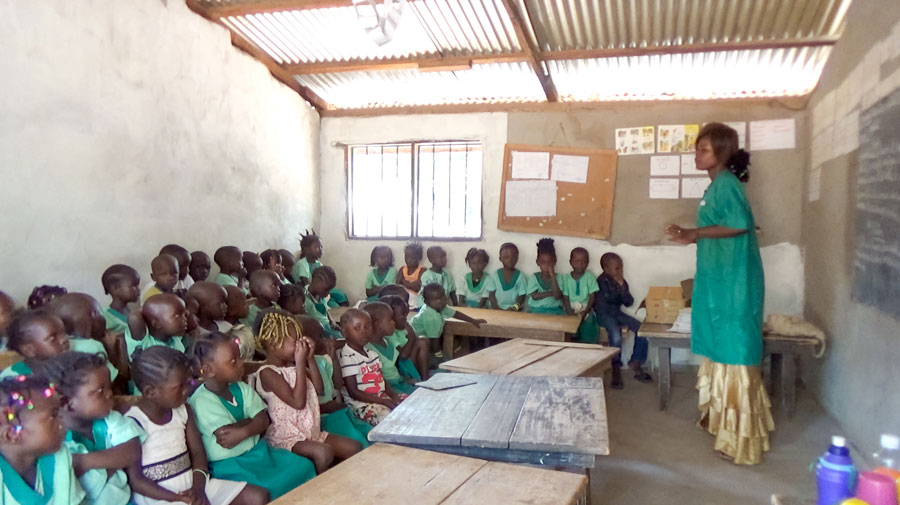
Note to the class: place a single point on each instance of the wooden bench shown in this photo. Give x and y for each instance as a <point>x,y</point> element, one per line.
<point>784,351</point>
<point>506,324</point>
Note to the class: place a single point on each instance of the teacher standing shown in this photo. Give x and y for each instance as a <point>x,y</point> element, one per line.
<point>727,303</point>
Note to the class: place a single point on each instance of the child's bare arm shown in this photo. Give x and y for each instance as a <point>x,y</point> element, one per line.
<point>492,296</point>
<point>477,322</point>
<point>481,303</point>
<point>390,392</point>
<point>141,485</point>
<point>313,372</point>
<point>407,349</point>
<point>356,394</point>
<point>199,460</point>
<point>590,303</point>
<point>567,306</point>
<point>372,291</point>
<point>119,457</point>
<point>232,434</point>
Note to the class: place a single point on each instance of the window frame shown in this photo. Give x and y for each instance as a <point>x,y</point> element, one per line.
<point>414,187</point>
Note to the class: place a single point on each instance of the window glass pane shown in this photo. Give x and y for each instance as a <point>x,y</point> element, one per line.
<point>380,190</point>
<point>449,190</point>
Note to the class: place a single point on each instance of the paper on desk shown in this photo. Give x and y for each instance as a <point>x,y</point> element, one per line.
<point>665,165</point>
<point>772,134</point>
<point>527,165</point>
<point>530,198</point>
<point>569,168</point>
<point>664,188</point>
<point>694,187</point>
<point>442,381</point>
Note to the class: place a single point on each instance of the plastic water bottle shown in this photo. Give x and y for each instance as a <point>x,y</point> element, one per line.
<point>889,455</point>
<point>835,473</point>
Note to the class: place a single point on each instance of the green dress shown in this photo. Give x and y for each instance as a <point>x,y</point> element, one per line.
<point>55,483</point>
<point>547,305</point>
<point>429,276</point>
<point>475,292</point>
<point>18,368</point>
<point>389,357</point>
<point>727,303</point>
<point>429,323</point>
<point>91,346</point>
<point>508,295</point>
<point>318,310</point>
<point>374,280</point>
<point>303,269</point>
<point>340,422</point>
<point>251,460</point>
<point>579,291</point>
<point>116,321</point>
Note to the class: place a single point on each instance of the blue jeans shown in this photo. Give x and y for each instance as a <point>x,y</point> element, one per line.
<point>613,324</point>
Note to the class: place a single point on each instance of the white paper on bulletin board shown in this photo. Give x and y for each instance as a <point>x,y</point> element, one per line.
<point>567,168</point>
<point>664,189</point>
<point>741,128</point>
<point>664,165</point>
<point>688,166</point>
<point>530,198</point>
<point>528,165</point>
<point>694,187</point>
<point>772,134</point>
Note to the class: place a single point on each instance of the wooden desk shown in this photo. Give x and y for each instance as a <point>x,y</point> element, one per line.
<point>508,324</point>
<point>784,351</point>
<point>391,475</point>
<point>535,358</point>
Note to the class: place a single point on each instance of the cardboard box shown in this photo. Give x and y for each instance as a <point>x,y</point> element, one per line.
<point>664,302</point>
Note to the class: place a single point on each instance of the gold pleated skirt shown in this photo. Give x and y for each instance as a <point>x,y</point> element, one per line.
<point>735,408</point>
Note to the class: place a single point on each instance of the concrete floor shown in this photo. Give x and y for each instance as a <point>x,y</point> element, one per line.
<point>663,458</point>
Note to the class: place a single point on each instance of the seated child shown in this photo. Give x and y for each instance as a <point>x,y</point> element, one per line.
<point>317,293</point>
<point>164,272</point>
<point>477,285</point>
<point>287,263</point>
<point>335,416</point>
<point>308,262</point>
<point>103,442</point>
<point>238,308</point>
<point>123,284</point>
<point>387,349</point>
<point>42,295</point>
<point>579,289</point>
<point>265,287</point>
<point>613,294</point>
<point>84,322</point>
<point>232,418</point>
<point>413,361</point>
<point>37,335</point>
<point>200,266</point>
<point>184,262</point>
<point>510,283</point>
<point>382,272</point>
<point>429,322</point>
<point>231,267</point>
<point>438,274</point>
<point>35,465</point>
<point>369,397</point>
<point>252,263</point>
<point>166,320</point>
<point>170,466</point>
<point>210,301</point>
<point>294,404</point>
<point>410,274</point>
<point>544,295</point>
<point>293,299</point>
<point>272,262</point>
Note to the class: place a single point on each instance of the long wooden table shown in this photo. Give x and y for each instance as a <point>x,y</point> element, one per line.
<point>536,358</point>
<point>784,351</point>
<point>390,475</point>
<point>507,324</point>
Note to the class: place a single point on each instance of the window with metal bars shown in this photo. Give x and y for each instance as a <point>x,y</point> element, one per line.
<point>421,190</point>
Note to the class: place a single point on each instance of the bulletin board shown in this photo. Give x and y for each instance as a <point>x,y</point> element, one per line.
<point>582,209</point>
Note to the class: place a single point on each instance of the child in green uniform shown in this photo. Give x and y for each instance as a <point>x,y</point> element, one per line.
<point>382,272</point>
<point>544,295</point>
<point>271,259</point>
<point>210,302</point>
<point>317,292</point>
<point>164,272</point>
<point>232,418</point>
<point>510,284</point>
<point>123,284</point>
<point>310,252</point>
<point>200,266</point>
<point>103,442</point>
<point>413,361</point>
<point>231,267</point>
<point>477,285</point>
<point>37,335</point>
<point>579,288</point>
<point>35,467</point>
<point>439,274</point>
<point>252,263</point>
<point>166,320</point>
<point>265,287</point>
<point>429,322</point>
<point>387,349</point>
<point>293,299</point>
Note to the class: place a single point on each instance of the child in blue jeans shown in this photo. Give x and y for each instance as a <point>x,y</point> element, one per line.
<point>608,307</point>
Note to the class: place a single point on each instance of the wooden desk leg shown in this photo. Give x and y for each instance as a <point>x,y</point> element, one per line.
<point>587,495</point>
<point>789,383</point>
<point>664,356</point>
<point>449,336</point>
<point>774,382</point>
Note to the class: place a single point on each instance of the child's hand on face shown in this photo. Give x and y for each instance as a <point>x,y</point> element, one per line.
<point>229,436</point>
<point>301,351</point>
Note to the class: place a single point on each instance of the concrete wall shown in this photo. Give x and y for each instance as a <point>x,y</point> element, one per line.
<point>858,379</point>
<point>128,125</point>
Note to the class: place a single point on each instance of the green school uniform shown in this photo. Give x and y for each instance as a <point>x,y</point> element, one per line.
<point>374,280</point>
<point>115,429</point>
<point>116,321</point>
<point>475,292</point>
<point>16,369</point>
<point>429,322</point>
<point>251,460</point>
<point>340,422</point>
<point>149,341</point>
<point>727,303</point>
<point>92,346</point>
<point>405,365</point>
<point>317,308</point>
<point>337,298</point>
<point>547,305</point>
<point>303,269</point>
<point>227,280</point>
<point>55,483</point>
<point>445,279</point>
<point>253,313</point>
<point>507,294</point>
<point>580,291</point>
<point>389,356</point>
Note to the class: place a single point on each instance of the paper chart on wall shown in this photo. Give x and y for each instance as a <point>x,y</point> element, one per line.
<point>741,128</point>
<point>694,187</point>
<point>677,138</point>
<point>637,140</point>
<point>688,166</point>
<point>528,165</point>
<point>530,198</point>
<point>664,165</point>
<point>565,168</point>
<point>664,189</point>
<point>772,134</point>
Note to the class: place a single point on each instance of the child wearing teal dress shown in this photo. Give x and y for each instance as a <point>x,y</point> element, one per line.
<point>382,272</point>
<point>413,351</point>
<point>429,322</point>
<point>36,335</point>
<point>477,286</point>
<point>317,292</point>
<point>123,284</point>
<point>579,289</point>
<point>265,287</point>
<point>83,319</point>
<point>386,348</point>
<point>544,294</point>
<point>230,261</point>
<point>34,440</point>
<point>510,285</point>
<point>439,274</point>
<point>93,428</point>
<point>166,319</point>
<point>232,417</point>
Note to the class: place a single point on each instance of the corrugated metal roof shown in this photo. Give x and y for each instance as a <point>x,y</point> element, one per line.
<point>426,28</point>
<point>720,74</point>
<point>602,24</point>
<point>486,83</point>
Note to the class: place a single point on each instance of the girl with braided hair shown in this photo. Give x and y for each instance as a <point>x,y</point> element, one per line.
<point>544,294</point>
<point>290,383</point>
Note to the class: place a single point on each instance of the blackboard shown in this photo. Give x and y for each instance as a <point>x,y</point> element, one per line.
<point>876,269</point>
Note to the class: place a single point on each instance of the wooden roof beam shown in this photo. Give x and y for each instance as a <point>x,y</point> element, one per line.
<point>430,63</point>
<point>578,54</point>
<point>244,9</point>
<point>532,53</point>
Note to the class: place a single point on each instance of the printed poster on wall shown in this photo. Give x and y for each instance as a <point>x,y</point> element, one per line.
<point>678,138</point>
<point>637,140</point>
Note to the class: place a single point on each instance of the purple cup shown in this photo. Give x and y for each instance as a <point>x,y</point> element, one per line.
<point>877,489</point>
